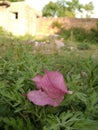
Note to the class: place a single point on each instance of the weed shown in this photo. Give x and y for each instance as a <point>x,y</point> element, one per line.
<point>19,64</point>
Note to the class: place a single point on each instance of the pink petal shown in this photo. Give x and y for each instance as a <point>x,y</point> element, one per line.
<point>53,84</point>
<point>57,80</point>
<point>37,81</point>
<point>39,97</point>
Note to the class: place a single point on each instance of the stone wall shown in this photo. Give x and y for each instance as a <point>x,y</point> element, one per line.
<point>44,25</point>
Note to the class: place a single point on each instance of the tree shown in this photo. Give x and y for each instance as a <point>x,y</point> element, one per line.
<point>63,8</point>
<point>51,9</point>
<point>88,9</point>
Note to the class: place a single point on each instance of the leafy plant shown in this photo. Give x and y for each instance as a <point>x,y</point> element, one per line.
<point>56,24</point>
<point>19,63</point>
<point>83,46</point>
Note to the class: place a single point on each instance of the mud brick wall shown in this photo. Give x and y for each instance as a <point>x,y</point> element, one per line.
<point>44,25</point>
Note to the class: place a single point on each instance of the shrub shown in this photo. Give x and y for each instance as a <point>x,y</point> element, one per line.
<point>83,46</point>
<point>56,24</point>
<point>80,35</point>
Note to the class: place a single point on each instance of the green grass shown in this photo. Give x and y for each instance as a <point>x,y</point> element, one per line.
<point>20,62</point>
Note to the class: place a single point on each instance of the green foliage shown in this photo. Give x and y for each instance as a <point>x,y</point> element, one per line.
<point>70,121</point>
<point>56,24</point>
<point>54,9</point>
<point>88,9</point>
<point>3,32</point>
<point>93,35</point>
<point>50,10</point>
<point>19,63</point>
<point>16,123</point>
<point>80,35</point>
<point>65,8</point>
<point>83,46</point>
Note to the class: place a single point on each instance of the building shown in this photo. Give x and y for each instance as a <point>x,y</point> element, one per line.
<point>18,18</point>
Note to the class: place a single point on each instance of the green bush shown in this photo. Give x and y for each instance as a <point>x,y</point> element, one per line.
<point>56,24</point>
<point>3,32</point>
<point>80,35</point>
<point>93,35</point>
<point>83,46</point>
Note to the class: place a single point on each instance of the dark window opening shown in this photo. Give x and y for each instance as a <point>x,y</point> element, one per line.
<point>16,15</point>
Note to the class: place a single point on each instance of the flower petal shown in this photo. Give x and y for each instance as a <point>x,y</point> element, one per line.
<point>39,97</point>
<point>57,80</point>
<point>53,84</point>
<point>37,81</point>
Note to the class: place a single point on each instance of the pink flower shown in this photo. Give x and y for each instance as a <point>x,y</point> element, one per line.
<point>51,89</point>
